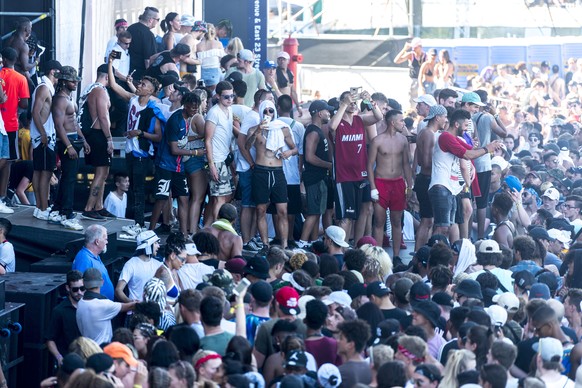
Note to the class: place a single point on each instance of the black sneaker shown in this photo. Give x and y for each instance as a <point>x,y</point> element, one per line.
<point>250,247</point>
<point>105,213</point>
<point>92,215</point>
<point>263,251</point>
<point>163,229</point>
<point>291,244</point>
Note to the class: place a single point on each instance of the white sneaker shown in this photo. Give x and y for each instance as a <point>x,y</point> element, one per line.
<point>72,224</point>
<point>5,209</point>
<point>132,230</point>
<point>41,215</point>
<point>55,218</point>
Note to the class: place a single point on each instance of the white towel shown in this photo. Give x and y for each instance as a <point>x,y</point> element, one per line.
<point>467,257</point>
<point>275,136</point>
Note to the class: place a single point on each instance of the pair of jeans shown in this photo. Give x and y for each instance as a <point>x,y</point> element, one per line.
<point>138,168</point>
<point>69,169</point>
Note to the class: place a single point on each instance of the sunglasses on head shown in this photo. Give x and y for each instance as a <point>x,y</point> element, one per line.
<point>77,289</point>
<point>269,110</point>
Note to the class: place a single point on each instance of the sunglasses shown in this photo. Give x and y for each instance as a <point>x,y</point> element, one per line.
<point>269,110</point>
<point>228,96</point>
<point>77,289</point>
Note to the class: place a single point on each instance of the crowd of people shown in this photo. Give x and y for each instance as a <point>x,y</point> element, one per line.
<point>277,216</point>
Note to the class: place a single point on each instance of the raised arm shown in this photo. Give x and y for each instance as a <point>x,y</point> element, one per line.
<point>121,92</point>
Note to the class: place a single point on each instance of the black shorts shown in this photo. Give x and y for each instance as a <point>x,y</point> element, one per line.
<point>294,204</point>
<point>459,213</point>
<point>44,159</point>
<point>330,193</point>
<point>421,184</point>
<point>484,185</point>
<point>13,146</point>
<point>316,198</point>
<point>269,185</point>
<point>349,197</point>
<point>170,180</point>
<point>98,157</point>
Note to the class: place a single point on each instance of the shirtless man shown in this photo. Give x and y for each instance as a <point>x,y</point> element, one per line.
<point>268,181</point>
<point>95,99</point>
<point>192,31</point>
<point>69,143</point>
<point>43,138</point>
<point>389,153</point>
<point>223,230</point>
<point>23,29</point>
<point>424,150</point>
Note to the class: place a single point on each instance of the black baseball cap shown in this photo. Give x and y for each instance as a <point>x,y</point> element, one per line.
<point>318,106</point>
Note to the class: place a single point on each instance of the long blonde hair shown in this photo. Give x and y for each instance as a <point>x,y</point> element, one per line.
<point>456,364</point>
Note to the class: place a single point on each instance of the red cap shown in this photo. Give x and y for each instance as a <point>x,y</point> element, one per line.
<point>288,300</point>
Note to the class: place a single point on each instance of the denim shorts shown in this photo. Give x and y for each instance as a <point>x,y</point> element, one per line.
<point>210,75</point>
<point>194,164</point>
<point>444,205</point>
<point>4,151</point>
<point>245,187</point>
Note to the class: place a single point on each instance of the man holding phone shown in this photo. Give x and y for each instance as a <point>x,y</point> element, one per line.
<point>121,55</point>
<point>348,132</point>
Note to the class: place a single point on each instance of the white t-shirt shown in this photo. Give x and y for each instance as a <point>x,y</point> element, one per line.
<point>116,206</point>
<point>94,318</point>
<point>503,275</point>
<point>136,273</point>
<point>7,257</point>
<point>251,119</point>
<point>121,64</point>
<point>291,165</point>
<point>191,274</point>
<point>222,134</point>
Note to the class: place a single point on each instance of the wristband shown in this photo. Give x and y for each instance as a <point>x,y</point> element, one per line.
<point>69,146</point>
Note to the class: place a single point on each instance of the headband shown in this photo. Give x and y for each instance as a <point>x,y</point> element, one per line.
<point>206,358</point>
<point>121,24</point>
<point>409,355</point>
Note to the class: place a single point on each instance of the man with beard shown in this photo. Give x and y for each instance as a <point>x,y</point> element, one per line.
<point>317,164</point>
<point>389,154</point>
<point>63,327</point>
<point>70,140</point>
<point>448,150</point>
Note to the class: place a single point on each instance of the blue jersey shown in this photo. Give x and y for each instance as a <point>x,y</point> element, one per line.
<point>176,129</point>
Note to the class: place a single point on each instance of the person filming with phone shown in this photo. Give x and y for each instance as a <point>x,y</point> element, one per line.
<point>347,131</point>
<point>268,180</point>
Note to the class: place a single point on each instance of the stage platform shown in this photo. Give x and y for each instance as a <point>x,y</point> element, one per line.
<point>35,240</point>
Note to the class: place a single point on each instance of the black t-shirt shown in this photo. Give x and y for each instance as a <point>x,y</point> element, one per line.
<point>525,353</point>
<point>395,313</point>
<point>63,327</point>
<point>313,174</point>
<point>161,60</point>
<point>142,47</point>
<point>19,170</point>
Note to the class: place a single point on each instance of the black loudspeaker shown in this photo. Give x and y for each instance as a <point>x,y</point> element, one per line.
<point>248,19</point>
<point>43,30</point>
<point>74,246</point>
<point>40,293</point>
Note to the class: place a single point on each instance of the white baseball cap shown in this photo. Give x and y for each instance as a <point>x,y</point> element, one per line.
<point>337,235</point>
<point>428,99</point>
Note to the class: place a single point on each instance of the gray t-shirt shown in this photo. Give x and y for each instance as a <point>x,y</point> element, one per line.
<point>482,122</point>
